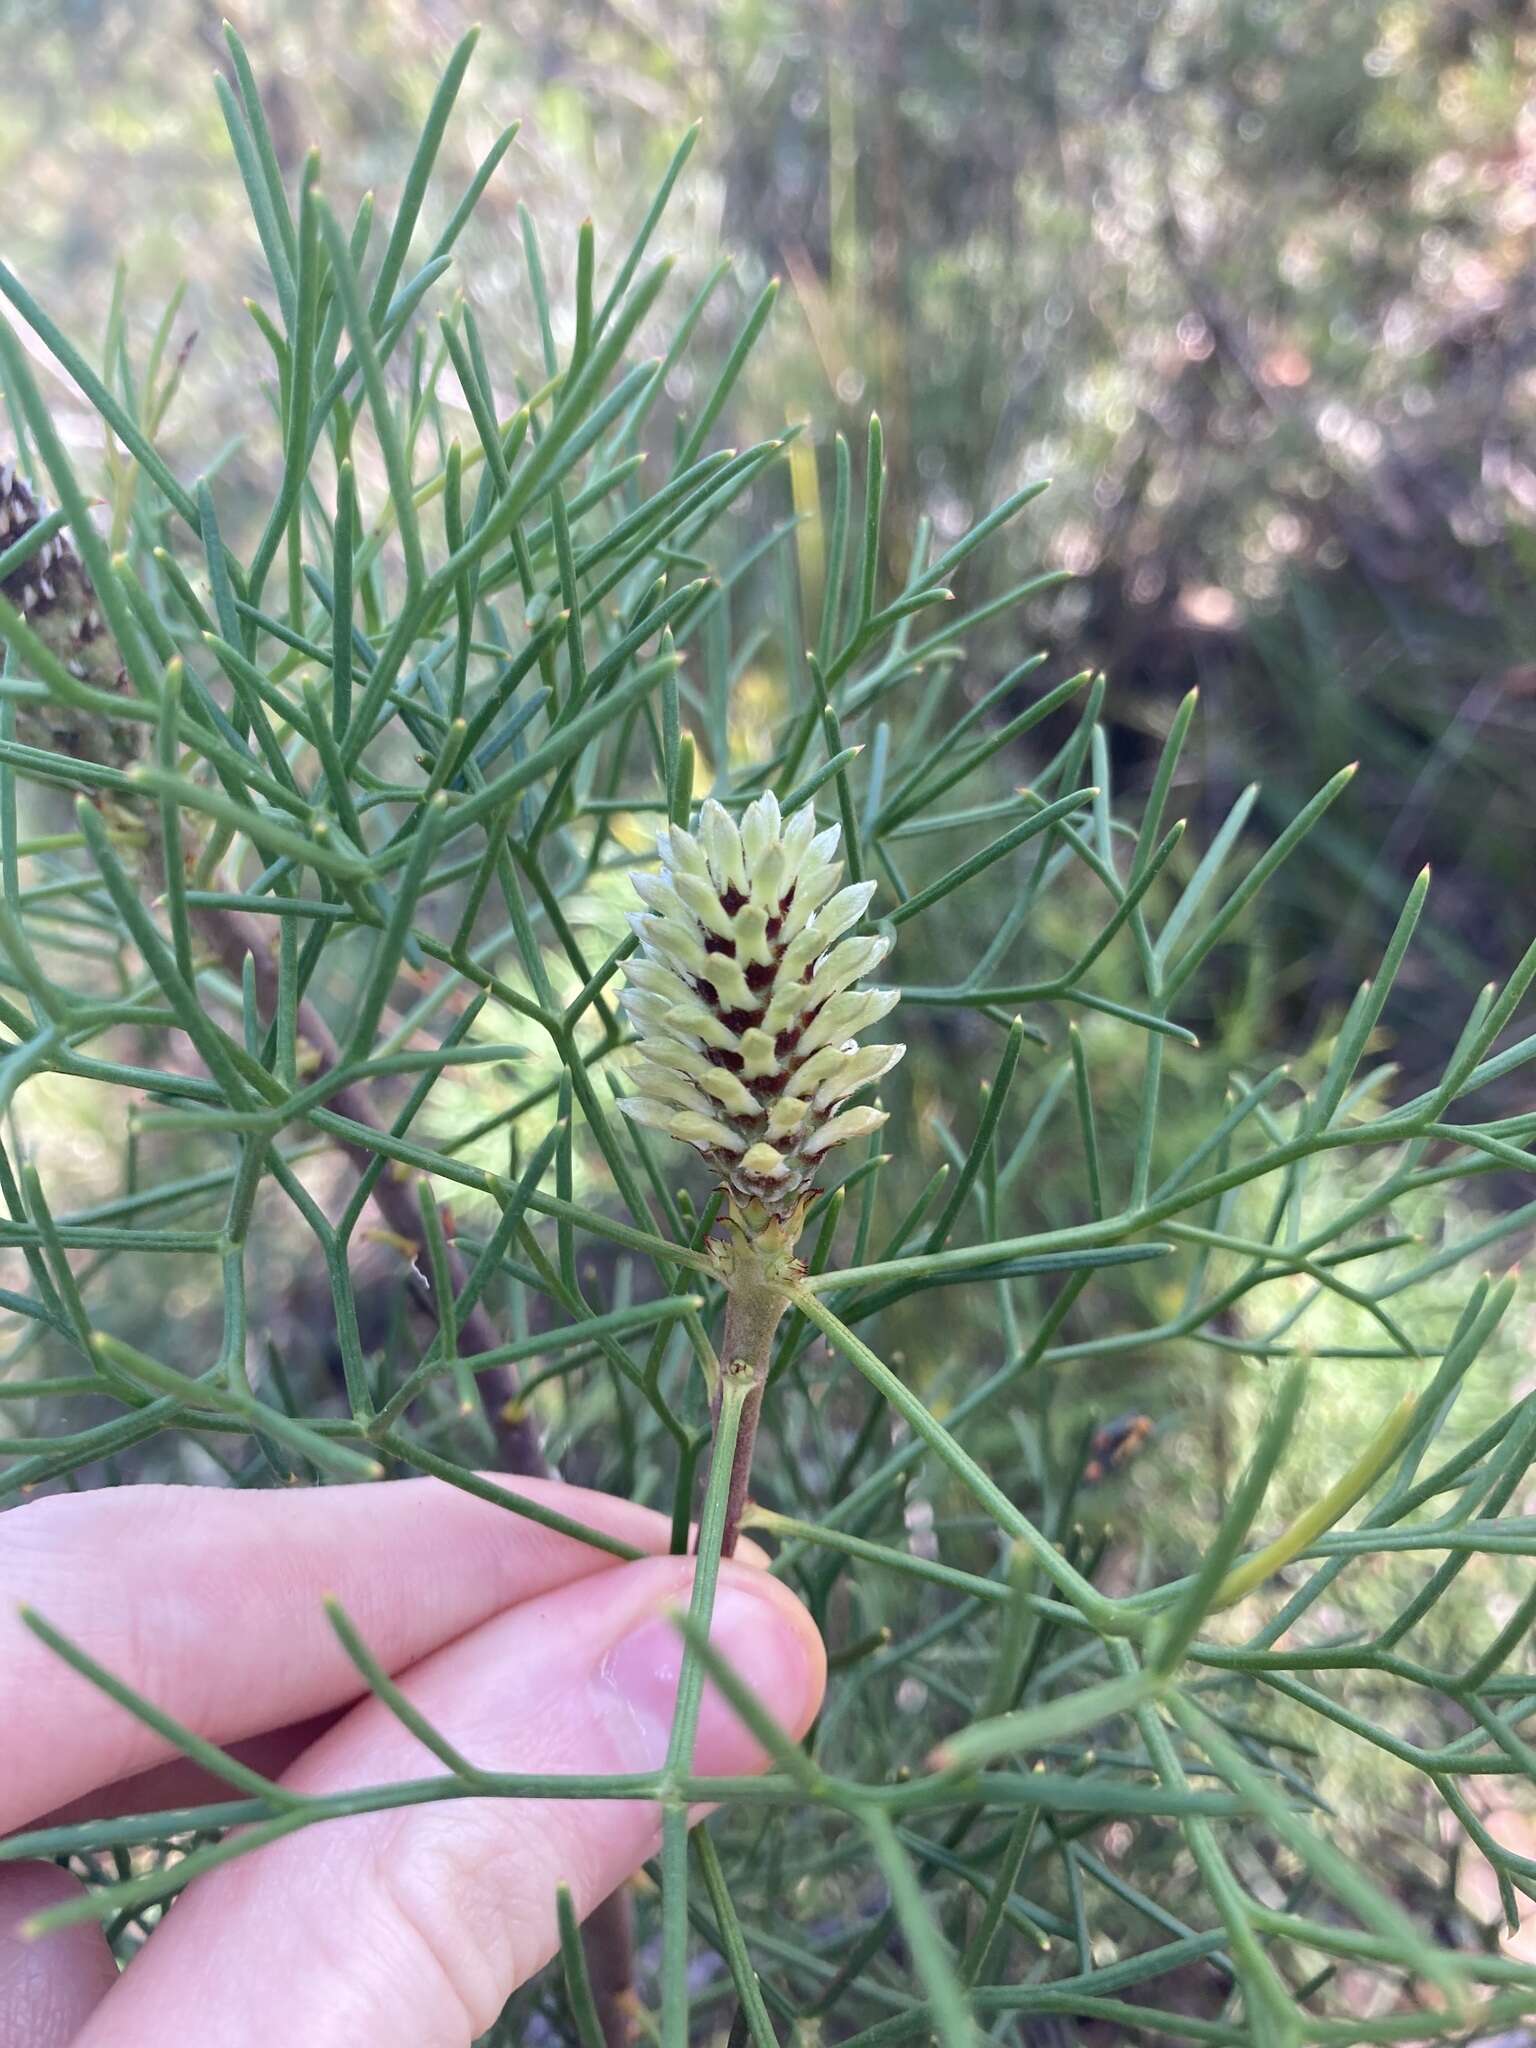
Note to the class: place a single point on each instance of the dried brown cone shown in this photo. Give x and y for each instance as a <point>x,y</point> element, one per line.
<point>54,596</point>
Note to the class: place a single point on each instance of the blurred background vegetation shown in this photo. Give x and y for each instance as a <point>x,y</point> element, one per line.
<point>1251,279</point>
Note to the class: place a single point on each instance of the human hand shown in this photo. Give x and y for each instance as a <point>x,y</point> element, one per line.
<point>529,1650</point>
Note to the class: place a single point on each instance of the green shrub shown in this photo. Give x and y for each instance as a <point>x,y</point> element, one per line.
<point>345,894</point>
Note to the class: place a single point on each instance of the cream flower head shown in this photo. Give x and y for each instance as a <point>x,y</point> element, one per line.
<point>743,999</point>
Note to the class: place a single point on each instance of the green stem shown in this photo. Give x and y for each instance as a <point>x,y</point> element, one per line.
<point>731,1398</point>
<point>1109,1616</point>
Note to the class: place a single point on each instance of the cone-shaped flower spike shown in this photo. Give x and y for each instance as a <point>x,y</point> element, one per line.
<point>744,1001</point>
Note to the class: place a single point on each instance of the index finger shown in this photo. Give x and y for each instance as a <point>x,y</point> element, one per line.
<point>209,1603</point>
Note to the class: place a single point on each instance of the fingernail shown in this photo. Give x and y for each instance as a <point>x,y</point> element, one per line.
<point>763,1645</point>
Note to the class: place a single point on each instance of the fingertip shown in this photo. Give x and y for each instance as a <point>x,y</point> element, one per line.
<point>757,1627</point>
<point>806,1653</point>
<point>50,1984</point>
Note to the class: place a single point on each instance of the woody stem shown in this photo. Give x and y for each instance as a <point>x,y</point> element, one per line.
<point>755,1305</point>
<point>741,1469</point>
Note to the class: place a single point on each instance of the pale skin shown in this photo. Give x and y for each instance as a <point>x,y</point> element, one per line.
<point>409,1928</point>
